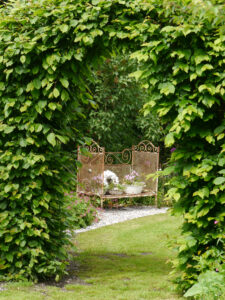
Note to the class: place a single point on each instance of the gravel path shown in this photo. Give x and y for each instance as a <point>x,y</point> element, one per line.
<point>112,216</point>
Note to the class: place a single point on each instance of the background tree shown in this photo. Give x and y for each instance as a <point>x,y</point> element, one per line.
<point>117,121</point>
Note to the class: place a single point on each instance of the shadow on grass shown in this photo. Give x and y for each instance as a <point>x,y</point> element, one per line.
<point>119,262</point>
<point>102,265</point>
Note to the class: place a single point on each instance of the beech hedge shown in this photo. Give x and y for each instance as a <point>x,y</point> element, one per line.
<point>46,51</point>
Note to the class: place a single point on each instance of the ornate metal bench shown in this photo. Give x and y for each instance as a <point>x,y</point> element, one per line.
<point>142,158</point>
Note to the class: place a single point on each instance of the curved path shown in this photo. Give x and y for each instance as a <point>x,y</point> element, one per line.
<point>112,216</point>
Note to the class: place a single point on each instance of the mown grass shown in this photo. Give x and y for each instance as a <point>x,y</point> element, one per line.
<point>119,262</point>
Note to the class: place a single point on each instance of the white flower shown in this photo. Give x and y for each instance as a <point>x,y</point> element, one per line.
<point>110,177</point>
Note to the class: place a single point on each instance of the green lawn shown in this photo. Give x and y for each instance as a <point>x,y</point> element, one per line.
<point>125,261</point>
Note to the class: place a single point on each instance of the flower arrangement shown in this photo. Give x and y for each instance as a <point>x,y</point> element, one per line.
<point>109,178</point>
<point>111,183</point>
<point>132,179</point>
<point>133,183</point>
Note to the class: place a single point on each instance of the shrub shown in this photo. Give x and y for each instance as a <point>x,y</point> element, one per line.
<point>210,286</point>
<point>40,106</point>
<point>83,212</point>
<point>123,202</point>
<point>187,91</point>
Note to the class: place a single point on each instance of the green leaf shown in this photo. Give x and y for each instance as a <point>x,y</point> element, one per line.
<point>204,211</point>
<point>37,83</point>
<point>30,140</point>
<point>153,57</point>
<point>74,23</point>
<point>64,28</point>
<point>7,188</point>
<point>62,138</point>
<point>96,32</point>
<point>219,180</point>
<point>219,129</point>
<point>52,105</point>
<point>169,140</point>
<point>168,29</point>
<point>222,199</point>
<point>2,86</point>
<point>38,127</point>
<point>168,170</point>
<point>51,139</point>
<point>9,129</point>
<point>30,87</point>
<point>221,162</point>
<point>139,56</point>
<point>191,241</point>
<point>204,192</point>
<point>22,243</point>
<point>65,95</point>
<point>166,88</point>
<point>195,290</point>
<point>220,136</point>
<point>35,69</point>
<point>23,142</point>
<point>222,172</point>
<point>210,139</point>
<point>200,56</point>
<point>136,74</point>
<point>206,67</point>
<point>209,87</point>
<point>3,205</point>
<point>42,103</point>
<point>19,264</point>
<point>57,278</point>
<point>193,76</point>
<point>56,92</point>
<point>23,59</point>
<point>64,82</point>
<point>19,91</point>
<point>8,238</point>
<point>9,257</point>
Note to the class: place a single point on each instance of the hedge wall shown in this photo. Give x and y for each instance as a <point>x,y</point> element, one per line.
<point>185,63</point>
<point>46,50</point>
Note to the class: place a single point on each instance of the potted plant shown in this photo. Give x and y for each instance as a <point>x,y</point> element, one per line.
<point>133,184</point>
<point>116,189</point>
<point>111,183</point>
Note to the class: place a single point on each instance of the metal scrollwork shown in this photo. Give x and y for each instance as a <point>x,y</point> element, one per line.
<point>145,146</point>
<point>124,157</point>
<point>94,153</point>
<point>143,158</point>
<point>127,156</point>
<point>95,148</point>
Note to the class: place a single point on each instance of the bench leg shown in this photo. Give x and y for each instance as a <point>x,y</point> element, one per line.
<point>156,200</point>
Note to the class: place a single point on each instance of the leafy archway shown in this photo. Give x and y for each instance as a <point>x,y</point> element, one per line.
<point>47,48</point>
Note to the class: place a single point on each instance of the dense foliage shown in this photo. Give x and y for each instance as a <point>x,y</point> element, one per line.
<point>82,210</point>
<point>46,50</point>
<point>117,122</point>
<point>41,103</point>
<point>188,92</point>
<point>210,286</point>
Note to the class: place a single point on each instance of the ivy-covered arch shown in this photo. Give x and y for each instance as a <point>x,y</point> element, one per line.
<point>46,50</point>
